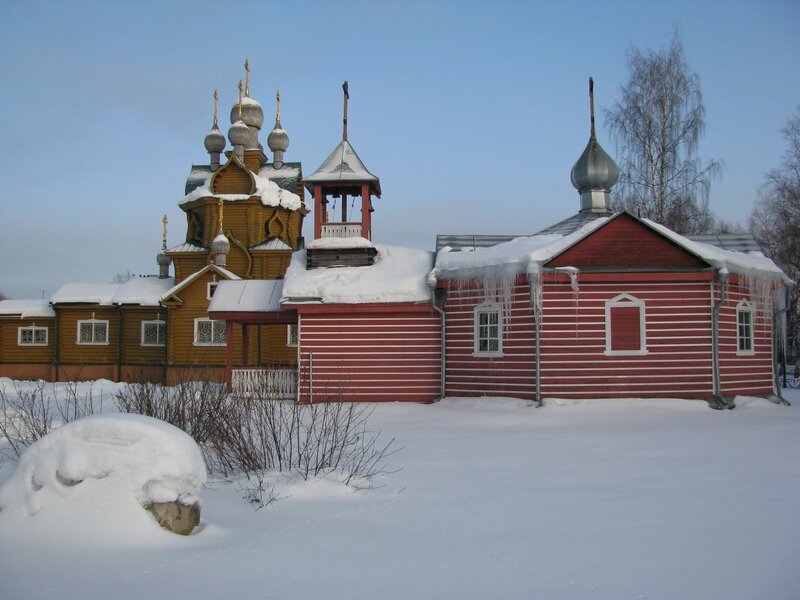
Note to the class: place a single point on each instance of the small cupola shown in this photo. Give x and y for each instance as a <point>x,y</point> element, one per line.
<point>278,140</point>
<point>595,172</point>
<point>220,246</point>
<point>249,111</point>
<point>215,140</point>
<point>239,133</point>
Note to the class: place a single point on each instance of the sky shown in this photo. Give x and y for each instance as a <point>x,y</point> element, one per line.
<point>470,113</point>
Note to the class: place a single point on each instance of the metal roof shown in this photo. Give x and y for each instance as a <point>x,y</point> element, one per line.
<point>738,242</point>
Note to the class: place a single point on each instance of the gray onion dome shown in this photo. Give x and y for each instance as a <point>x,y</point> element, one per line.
<point>278,139</point>
<point>239,134</point>
<point>215,141</point>
<point>163,260</point>
<point>594,170</point>
<point>252,114</point>
<point>220,245</point>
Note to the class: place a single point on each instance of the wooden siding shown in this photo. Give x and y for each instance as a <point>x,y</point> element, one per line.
<point>133,352</point>
<point>356,355</point>
<point>745,374</point>
<point>470,374</point>
<point>677,322</point>
<point>231,178</point>
<point>12,353</point>
<point>70,352</point>
<point>624,242</point>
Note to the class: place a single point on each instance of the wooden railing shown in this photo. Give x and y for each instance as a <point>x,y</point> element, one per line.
<point>341,230</point>
<point>269,382</point>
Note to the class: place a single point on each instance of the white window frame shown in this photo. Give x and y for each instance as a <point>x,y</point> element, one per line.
<point>211,287</point>
<point>488,308</point>
<point>745,307</point>
<point>33,329</point>
<point>95,323</point>
<point>216,325</point>
<point>627,301</point>
<point>289,342</point>
<point>161,325</point>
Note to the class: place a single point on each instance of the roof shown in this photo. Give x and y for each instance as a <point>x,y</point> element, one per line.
<point>188,247</point>
<point>26,309</point>
<point>528,254</point>
<point>143,291</point>
<point>247,295</point>
<point>272,244</point>
<point>740,242</point>
<point>86,293</point>
<point>344,165</point>
<point>209,267</point>
<point>398,275</point>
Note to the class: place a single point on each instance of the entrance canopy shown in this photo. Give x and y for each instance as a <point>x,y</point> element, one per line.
<point>250,301</point>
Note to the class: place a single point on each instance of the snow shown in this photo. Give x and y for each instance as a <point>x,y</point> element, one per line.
<point>493,498</point>
<point>398,275</point>
<point>270,193</point>
<point>247,295</point>
<point>343,164</point>
<point>185,282</point>
<point>87,293</point>
<point>95,474</point>
<point>340,242</point>
<point>26,309</point>
<point>144,291</point>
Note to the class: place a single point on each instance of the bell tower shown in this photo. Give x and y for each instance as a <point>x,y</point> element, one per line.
<point>341,179</point>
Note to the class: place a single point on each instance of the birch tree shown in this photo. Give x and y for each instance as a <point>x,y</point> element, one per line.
<point>657,124</point>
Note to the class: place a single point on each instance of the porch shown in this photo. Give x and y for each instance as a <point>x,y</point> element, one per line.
<point>266,382</point>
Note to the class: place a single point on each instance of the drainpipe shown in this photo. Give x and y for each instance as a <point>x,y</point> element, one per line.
<point>537,333</point>
<point>443,355</point>
<point>718,402</point>
<point>777,384</point>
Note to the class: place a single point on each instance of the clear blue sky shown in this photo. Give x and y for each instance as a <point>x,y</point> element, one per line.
<point>471,113</point>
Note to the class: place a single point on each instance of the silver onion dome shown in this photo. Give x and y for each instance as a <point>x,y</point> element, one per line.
<point>215,140</point>
<point>252,113</point>
<point>594,170</point>
<point>278,139</point>
<point>239,134</point>
<point>220,244</point>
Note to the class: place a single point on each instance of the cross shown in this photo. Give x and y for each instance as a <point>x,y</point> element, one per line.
<point>246,77</point>
<point>278,106</point>
<point>216,99</point>
<point>240,99</point>
<point>220,213</point>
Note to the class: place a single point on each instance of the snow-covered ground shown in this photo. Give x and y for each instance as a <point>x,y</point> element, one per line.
<point>495,499</point>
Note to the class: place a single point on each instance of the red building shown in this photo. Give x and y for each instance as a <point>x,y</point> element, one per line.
<point>600,305</point>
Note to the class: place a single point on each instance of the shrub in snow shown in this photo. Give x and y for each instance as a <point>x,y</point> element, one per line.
<point>131,460</point>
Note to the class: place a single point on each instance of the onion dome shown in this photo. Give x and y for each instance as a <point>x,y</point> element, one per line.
<point>239,134</point>
<point>220,244</point>
<point>278,139</point>
<point>252,113</point>
<point>215,140</point>
<point>594,170</point>
<point>163,260</point>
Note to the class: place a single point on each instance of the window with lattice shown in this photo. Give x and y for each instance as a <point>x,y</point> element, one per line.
<point>488,330</point>
<point>92,332</point>
<point>208,332</point>
<point>154,333</point>
<point>32,336</point>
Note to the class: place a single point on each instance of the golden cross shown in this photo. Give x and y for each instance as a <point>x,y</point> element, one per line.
<point>164,222</point>
<point>220,204</point>
<point>216,100</point>
<point>278,106</point>
<point>240,98</point>
<point>246,77</point>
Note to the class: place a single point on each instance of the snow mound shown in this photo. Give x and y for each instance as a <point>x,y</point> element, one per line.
<point>123,460</point>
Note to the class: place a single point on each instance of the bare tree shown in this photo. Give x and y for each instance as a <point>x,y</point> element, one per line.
<point>657,125</point>
<point>775,220</point>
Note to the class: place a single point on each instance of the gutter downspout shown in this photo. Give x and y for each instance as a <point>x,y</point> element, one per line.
<point>718,402</point>
<point>537,333</point>
<point>443,340</point>
<point>777,384</point>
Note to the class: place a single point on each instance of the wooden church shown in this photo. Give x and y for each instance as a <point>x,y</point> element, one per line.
<point>599,305</point>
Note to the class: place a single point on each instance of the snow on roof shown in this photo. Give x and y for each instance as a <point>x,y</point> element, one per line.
<point>222,271</point>
<point>752,263</point>
<point>144,291</point>
<point>27,309</point>
<point>343,164</point>
<point>188,247</point>
<point>530,253</point>
<point>271,193</point>
<point>273,244</point>
<point>287,171</point>
<point>398,275</point>
<point>247,295</point>
<point>86,293</point>
<point>515,256</point>
<point>340,242</point>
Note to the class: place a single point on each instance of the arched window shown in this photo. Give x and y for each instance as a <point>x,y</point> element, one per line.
<point>488,329</point>
<point>744,328</point>
<point>625,325</point>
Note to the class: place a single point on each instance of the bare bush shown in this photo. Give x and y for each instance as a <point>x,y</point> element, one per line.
<point>32,411</point>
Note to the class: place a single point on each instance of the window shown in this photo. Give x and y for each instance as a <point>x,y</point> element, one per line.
<point>625,326</point>
<point>209,333</point>
<point>744,328</point>
<point>292,335</point>
<point>154,333</point>
<point>32,336</point>
<point>212,287</point>
<point>93,331</point>
<point>488,339</point>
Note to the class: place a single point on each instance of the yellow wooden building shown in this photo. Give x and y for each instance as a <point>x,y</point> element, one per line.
<point>244,218</point>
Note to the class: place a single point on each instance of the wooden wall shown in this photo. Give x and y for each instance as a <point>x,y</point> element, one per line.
<point>512,374</point>
<point>358,354</point>
<point>12,352</point>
